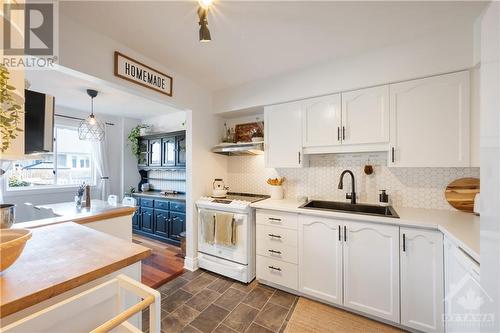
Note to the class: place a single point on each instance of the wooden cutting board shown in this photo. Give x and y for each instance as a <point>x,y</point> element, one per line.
<point>460,193</point>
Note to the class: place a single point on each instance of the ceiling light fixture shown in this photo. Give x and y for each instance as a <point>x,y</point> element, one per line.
<point>204,32</point>
<point>205,3</point>
<point>91,129</point>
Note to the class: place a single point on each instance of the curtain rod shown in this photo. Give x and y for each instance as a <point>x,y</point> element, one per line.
<point>76,118</point>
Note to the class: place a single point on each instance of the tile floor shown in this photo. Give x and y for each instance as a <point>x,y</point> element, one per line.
<point>205,302</point>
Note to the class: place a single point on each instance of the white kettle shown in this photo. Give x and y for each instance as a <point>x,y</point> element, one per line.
<point>219,189</point>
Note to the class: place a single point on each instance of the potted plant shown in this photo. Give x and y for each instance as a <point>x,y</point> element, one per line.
<point>10,114</point>
<point>134,138</point>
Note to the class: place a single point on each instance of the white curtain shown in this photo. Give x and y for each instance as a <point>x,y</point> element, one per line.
<point>100,156</point>
<point>4,165</point>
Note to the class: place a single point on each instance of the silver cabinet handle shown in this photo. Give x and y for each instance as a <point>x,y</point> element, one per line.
<point>274,251</point>
<point>275,268</point>
<point>274,236</point>
<point>273,219</point>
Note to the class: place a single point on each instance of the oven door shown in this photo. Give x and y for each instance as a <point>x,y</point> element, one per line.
<point>238,252</point>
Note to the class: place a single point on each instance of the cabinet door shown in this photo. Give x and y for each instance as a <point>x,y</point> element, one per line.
<point>371,269</point>
<point>365,116</point>
<point>161,222</point>
<point>155,152</point>
<point>147,219</point>
<point>283,137</point>
<point>143,158</point>
<point>136,219</point>
<point>463,292</point>
<point>422,296</point>
<point>320,258</point>
<point>321,121</point>
<point>169,151</point>
<point>177,226</point>
<point>430,122</point>
<point>180,150</point>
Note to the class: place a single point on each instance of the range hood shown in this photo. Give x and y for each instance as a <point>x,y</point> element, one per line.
<point>38,123</point>
<point>240,148</point>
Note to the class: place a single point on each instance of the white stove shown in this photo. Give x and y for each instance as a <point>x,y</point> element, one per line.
<point>233,202</point>
<point>236,261</point>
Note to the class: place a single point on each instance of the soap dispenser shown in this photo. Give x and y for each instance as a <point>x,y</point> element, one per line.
<point>383,198</point>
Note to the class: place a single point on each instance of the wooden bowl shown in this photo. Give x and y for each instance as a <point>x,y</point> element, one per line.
<point>12,242</point>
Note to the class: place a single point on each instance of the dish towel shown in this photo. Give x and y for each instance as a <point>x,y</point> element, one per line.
<point>208,224</point>
<point>225,232</point>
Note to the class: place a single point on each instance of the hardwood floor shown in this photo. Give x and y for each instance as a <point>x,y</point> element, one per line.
<point>164,264</point>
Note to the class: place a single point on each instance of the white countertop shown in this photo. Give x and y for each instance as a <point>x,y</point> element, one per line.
<point>462,228</point>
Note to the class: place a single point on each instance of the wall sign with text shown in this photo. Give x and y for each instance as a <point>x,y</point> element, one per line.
<point>134,71</point>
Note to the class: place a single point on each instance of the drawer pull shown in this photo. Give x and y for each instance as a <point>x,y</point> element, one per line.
<point>274,236</point>
<point>275,268</point>
<point>274,251</point>
<point>273,219</point>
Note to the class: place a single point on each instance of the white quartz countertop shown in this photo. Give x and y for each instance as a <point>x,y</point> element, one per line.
<point>462,228</point>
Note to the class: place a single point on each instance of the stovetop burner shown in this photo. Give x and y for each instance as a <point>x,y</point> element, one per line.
<point>240,197</point>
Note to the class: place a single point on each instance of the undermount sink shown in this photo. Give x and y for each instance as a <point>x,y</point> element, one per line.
<point>364,209</point>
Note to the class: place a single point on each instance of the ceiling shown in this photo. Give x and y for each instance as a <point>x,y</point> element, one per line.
<point>70,91</point>
<point>257,39</point>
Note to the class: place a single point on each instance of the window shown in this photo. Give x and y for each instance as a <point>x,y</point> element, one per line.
<point>70,164</point>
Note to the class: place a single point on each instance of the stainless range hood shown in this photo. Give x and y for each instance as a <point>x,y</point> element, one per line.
<point>241,148</point>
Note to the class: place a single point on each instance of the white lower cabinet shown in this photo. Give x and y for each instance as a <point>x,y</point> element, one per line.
<point>371,269</point>
<point>463,292</point>
<point>385,271</point>
<point>422,295</point>
<point>320,258</point>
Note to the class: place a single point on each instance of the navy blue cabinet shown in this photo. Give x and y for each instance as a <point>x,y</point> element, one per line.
<point>160,219</point>
<point>136,219</point>
<point>147,219</point>
<point>161,222</point>
<point>163,151</point>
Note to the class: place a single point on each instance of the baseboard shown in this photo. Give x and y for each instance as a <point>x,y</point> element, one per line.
<point>191,264</point>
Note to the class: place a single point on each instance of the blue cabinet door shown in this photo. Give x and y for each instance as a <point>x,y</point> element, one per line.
<point>178,225</point>
<point>147,219</point>
<point>136,219</point>
<point>161,222</point>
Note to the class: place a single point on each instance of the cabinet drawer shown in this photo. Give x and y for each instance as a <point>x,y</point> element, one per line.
<point>276,271</point>
<point>178,206</point>
<point>147,202</point>
<point>279,219</point>
<point>160,204</point>
<point>276,235</point>
<point>276,250</point>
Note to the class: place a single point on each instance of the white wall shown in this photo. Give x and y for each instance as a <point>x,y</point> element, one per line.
<point>87,51</point>
<point>171,122</point>
<point>437,53</point>
<point>490,166</point>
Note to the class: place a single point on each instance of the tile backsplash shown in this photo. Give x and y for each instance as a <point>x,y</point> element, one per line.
<point>162,180</point>
<point>407,187</point>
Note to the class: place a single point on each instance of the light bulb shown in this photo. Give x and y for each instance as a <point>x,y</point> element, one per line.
<point>91,120</point>
<point>205,3</point>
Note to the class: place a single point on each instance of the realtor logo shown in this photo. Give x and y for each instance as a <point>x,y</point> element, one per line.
<point>463,304</point>
<point>29,34</point>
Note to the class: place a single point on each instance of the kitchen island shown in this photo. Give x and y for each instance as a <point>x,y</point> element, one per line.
<point>115,220</point>
<point>60,261</point>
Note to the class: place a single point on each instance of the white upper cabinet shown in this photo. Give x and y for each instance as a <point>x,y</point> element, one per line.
<point>371,269</point>
<point>365,116</point>
<point>320,258</point>
<point>283,135</point>
<point>430,122</point>
<point>321,121</point>
<point>422,295</point>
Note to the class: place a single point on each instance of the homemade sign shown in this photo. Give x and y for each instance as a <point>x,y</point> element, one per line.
<point>134,71</point>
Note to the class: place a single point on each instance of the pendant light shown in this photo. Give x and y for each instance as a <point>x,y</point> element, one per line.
<point>203,20</point>
<point>91,129</point>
